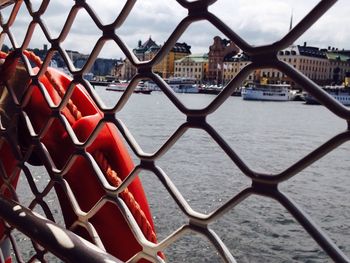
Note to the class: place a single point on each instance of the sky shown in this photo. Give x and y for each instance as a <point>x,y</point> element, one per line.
<point>257,21</point>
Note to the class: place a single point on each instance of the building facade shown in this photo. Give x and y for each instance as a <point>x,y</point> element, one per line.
<point>192,66</point>
<point>218,51</point>
<point>128,70</point>
<point>338,65</point>
<point>142,52</point>
<point>142,49</point>
<point>148,50</point>
<point>320,65</point>
<point>165,68</point>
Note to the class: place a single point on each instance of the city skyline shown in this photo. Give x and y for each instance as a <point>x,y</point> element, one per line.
<point>258,22</point>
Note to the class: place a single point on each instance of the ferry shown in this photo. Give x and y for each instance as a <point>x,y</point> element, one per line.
<point>149,84</point>
<point>215,89</point>
<point>210,89</point>
<point>341,93</point>
<point>183,85</point>
<point>268,92</point>
<point>121,87</point>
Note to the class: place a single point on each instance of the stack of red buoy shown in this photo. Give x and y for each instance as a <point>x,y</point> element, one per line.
<point>107,150</point>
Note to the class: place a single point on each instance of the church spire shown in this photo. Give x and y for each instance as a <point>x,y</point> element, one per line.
<point>291,21</point>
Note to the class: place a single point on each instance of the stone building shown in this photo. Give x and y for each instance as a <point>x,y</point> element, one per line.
<point>165,68</point>
<point>148,50</point>
<point>220,49</point>
<point>141,50</point>
<point>179,51</point>
<point>320,65</point>
<point>128,70</point>
<point>142,53</point>
<point>117,70</point>
<point>339,65</point>
<point>192,66</point>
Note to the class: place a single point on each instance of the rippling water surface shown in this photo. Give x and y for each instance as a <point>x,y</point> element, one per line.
<point>269,137</point>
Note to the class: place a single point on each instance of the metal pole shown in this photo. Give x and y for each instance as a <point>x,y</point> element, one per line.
<point>4,3</point>
<point>63,243</point>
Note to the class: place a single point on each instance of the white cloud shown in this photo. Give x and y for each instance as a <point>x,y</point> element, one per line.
<point>258,22</point>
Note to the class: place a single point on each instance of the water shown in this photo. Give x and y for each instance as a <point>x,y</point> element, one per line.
<point>269,137</point>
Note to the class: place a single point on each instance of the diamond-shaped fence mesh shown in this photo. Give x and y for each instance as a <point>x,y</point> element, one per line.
<point>57,132</point>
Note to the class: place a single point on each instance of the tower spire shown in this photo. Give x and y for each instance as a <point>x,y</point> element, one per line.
<point>291,21</point>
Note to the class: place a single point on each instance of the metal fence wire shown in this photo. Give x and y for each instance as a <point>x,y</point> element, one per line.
<point>36,227</point>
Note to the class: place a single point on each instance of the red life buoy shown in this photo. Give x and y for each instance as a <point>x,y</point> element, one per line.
<point>109,153</point>
<point>8,171</point>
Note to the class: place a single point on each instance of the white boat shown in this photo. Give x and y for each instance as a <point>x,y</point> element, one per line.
<point>121,87</point>
<point>340,93</point>
<point>268,92</point>
<point>151,85</point>
<point>183,85</point>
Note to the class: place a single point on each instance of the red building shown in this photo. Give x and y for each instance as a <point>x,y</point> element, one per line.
<point>217,53</point>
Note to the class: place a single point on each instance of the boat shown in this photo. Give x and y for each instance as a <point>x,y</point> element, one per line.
<point>214,89</point>
<point>299,96</point>
<point>183,85</point>
<point>121,87</point>
<point>268,92</point>
<point>340,92</point>
<point>237,92</point>
<point>151,85</point>
<point>209,89</point>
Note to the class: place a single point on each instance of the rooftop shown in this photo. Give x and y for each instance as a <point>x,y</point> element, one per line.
<point>197,58</point>
<point>337,56</point>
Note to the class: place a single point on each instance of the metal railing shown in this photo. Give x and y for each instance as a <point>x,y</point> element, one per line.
<point>262,184</point>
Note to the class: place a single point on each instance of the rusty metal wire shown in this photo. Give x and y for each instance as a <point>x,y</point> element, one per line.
<point>262,184</point>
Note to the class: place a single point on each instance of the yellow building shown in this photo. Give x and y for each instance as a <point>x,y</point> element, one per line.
<point>148,50</point>
<point>193,66</point>
<point>166,67</point>
<point>321,66</point>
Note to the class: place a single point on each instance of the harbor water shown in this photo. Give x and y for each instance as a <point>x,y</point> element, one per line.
<point>269,137</point>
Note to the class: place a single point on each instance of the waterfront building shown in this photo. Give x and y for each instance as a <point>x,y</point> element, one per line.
<point>127,70</point>
<point>148,50</point>
<point>142,49</point>
<point>339,64</point>
<point>179,51</point>
<point>117,70</point>
<point>142,52</point>
<point>165,68</point>
<point>192,66</point>
<point>218,51</point>
<point>320,65</point>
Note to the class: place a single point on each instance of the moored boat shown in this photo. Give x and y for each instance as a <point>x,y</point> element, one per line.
<point>340,93</point>
<point>183,85</point>
<point>237,92</point>
<point>268,92</point>
<point>214,89</point>
<point>210,89</point>
<point>121,87</point>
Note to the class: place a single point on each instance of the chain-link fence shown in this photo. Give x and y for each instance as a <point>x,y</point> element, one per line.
<point>49,238</point>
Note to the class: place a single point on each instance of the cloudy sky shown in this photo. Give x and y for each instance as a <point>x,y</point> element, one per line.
<point>257,21</point>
